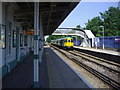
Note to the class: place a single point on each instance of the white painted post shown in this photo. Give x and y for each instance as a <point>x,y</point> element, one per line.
<point>36,50</point>
<point>93,42</point>
<point>103,38</point>
<point>103,35</point>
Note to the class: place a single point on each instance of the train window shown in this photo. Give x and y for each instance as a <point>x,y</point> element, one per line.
<point>71,40</point>
<point>68,40</point>
<point>65,40</point>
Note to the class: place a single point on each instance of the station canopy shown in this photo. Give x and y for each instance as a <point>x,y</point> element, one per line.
<point>53,14</point>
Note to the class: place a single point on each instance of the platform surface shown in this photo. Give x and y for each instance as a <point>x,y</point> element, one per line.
<point>53,73</point>
<point>100,50</point>
<point>22,75</point>
<point>60,75</point>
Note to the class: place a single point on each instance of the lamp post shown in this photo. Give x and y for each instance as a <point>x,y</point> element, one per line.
<point>103,35</point>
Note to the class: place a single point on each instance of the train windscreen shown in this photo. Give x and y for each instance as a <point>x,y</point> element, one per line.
<point>68,40</point>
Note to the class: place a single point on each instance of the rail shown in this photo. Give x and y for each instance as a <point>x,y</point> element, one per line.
<point>101,76</point>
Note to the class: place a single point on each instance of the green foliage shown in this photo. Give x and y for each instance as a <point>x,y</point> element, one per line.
<point>94,25</point>
<point>78,26</point>
<point>109,19</point>
<point>111,23</point>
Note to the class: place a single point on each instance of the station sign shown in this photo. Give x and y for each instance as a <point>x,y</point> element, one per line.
<point>117,40</point>
<point>29,32</point>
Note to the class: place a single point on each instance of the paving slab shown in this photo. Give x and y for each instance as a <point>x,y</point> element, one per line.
<point>22,75</point>
<point>60,75</point>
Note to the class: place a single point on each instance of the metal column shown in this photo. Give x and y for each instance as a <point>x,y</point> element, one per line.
<point>40,39</point>
<point>36,50</point>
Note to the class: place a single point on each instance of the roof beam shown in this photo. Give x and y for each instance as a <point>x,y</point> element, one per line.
<point>44,10</point>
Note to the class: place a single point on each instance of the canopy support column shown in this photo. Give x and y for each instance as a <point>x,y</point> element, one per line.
<point>36,40</point>
<point>41,40</point>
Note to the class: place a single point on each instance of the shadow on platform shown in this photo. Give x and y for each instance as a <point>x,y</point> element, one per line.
<point>22,76</point>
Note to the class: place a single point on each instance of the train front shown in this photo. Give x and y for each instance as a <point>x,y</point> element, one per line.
<point>69,43</point>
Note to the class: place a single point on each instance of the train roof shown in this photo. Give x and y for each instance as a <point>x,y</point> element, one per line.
<point>66,37</point>
<point>62,38</point>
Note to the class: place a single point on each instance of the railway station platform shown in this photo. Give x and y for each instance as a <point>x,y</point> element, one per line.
<point>100,50</point>
<point>105,54</point>
<point>22,76</point>
<point>54,73</point>
<point>60,74</point>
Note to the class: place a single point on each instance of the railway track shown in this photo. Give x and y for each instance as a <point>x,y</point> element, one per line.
<point>101,76</point>
<point>100,59</point>
<point>96,61</point>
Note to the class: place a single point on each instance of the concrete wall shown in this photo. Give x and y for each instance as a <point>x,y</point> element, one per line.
<point>12,55</point>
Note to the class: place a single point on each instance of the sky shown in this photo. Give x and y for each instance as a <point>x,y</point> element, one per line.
<point>85,11</point>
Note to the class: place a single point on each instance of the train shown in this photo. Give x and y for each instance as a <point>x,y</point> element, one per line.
<point>65,43</point>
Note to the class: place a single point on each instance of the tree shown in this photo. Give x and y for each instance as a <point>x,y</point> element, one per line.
<point>94,25</point>
<point>111,20</point>
<point>111,23</point>
<point>78,26</point>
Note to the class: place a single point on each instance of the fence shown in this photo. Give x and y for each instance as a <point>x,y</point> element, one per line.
<point>77,43</point>
<point>109,42</point>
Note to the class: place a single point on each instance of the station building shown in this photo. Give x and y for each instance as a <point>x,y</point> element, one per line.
<point>23,26</point>
<point>15,42</point>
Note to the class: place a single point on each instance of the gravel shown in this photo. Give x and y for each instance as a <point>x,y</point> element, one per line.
<point>91,79</point>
